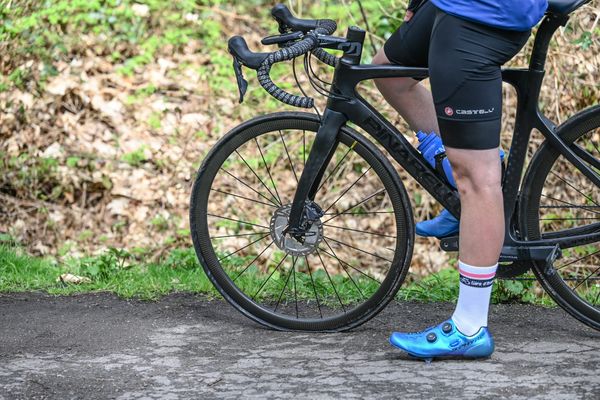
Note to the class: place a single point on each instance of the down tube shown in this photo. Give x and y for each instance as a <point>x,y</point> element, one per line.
<point>364,115</point>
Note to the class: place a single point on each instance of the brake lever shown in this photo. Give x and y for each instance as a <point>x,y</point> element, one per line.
<point>284,38</point>
<point>239,76</point>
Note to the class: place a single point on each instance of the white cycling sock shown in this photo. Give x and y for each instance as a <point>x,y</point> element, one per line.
<point>471,311</point>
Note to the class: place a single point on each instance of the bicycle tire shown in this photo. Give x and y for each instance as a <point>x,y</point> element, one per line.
<point>534,217</point>
<point>258,129</point>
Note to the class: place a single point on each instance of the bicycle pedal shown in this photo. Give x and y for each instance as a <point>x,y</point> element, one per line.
<point>449,243</point>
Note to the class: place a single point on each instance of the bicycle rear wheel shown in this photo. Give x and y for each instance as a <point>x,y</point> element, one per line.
<point>354,258</point>
<point>559,201</point>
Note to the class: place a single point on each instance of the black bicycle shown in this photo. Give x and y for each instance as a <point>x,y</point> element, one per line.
<point>313,210</point>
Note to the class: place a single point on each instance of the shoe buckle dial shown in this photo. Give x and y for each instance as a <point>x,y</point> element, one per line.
<point>447,327</point>
<point>431,337</point>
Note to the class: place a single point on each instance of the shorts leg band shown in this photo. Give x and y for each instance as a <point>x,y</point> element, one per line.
<point>471,135</point>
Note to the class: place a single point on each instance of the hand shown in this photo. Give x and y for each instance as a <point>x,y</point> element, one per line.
<point>409,14</point>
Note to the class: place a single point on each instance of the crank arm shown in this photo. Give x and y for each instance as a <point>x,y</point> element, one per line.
<point>549,254</point>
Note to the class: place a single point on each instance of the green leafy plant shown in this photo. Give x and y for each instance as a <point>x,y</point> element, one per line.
<point>106,265</point>
<point>135,158</point>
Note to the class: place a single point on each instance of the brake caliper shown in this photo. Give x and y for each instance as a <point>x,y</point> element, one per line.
<point>311,213</point>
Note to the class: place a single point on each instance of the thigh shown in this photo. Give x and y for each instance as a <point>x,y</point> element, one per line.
<point>409,45</point>
<point>466,81</point>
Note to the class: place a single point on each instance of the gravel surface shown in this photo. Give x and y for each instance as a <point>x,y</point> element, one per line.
<point>183,346</point>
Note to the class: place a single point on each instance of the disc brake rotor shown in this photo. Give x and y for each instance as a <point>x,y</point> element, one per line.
<point>312,236</point>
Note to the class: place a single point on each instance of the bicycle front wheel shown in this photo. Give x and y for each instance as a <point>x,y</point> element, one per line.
<point>559,201</point>
<point>352,260</point>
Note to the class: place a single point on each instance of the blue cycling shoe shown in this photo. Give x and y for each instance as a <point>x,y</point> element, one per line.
<point>441,226</point>
<point>444,340</point>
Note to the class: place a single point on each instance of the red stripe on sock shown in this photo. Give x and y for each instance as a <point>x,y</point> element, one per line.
<point>477,276</point>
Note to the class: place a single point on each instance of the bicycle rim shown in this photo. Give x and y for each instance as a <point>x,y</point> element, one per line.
<point>355,256</point>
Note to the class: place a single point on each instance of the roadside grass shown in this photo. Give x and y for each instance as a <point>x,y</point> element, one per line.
<point>109,272</point>
<point>443,287</point>
<point>117,271</point>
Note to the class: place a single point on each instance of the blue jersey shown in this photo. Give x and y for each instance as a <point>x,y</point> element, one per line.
<point>516,15</point>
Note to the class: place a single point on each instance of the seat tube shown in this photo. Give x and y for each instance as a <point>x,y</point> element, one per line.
<point>323,147</point>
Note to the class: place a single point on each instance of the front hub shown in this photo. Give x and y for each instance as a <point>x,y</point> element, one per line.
<point>312,235</point>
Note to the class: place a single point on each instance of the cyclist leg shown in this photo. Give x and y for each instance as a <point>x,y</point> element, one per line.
<point>408,97</point>
<point>478,178</point>
<point>465,60</point>
<point>408,46</point>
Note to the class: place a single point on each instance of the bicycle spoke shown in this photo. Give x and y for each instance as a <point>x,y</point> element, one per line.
<point>346,191</point>
<point>269,277</point>
<point>357,204</point>
<point>356,248</point>
<point>336,167</point>
<point>331,281</point>
<point>579,259</point>
<point>282,290</point>
<point>260,180</point>
<point>585,208</point>
<point>576,279</point>
<point>268,170</point>
<point>345,270</point>
<point>288,156</point>
<point>255,258</point>
<point>570,204</point>
<point>586,278</point>
<point>240,249</point>
<point>294,259</point>
<point>314,287</point>
<point>248,186</point>
<point>240,234</point>
<point>577,190</point>
<point>361,213</point>
<point>356,230</point>
<point>237,220</point>
<point>566,219</point>
<point>349,265</point>
<point>242,197</point>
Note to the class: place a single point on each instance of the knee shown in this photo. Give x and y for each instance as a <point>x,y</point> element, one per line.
<point>476,172</point>
<point>481,181</point>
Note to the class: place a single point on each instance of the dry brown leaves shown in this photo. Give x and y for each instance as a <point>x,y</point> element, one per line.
<point>89,111</point>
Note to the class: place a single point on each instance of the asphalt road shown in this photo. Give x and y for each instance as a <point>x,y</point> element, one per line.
<point>100,347</point>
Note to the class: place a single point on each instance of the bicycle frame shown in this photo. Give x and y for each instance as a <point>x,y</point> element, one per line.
<point>349,106</point>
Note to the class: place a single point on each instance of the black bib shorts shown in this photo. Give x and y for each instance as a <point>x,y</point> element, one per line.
<point>464,60</point>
